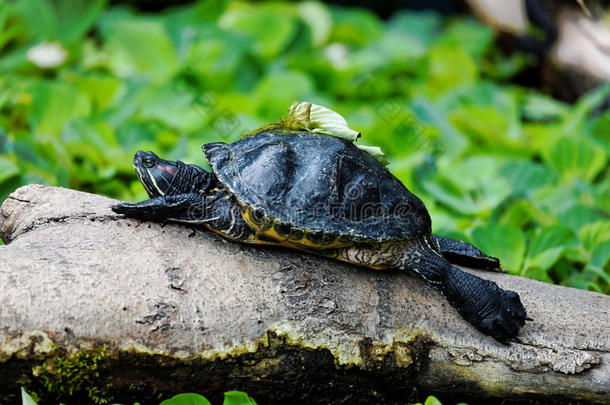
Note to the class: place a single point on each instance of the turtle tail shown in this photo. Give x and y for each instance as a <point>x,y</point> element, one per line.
<point>491,309</point>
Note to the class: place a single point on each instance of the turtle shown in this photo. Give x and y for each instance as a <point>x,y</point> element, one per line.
<point>322,194</point>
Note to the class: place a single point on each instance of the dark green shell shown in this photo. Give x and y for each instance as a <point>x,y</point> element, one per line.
<point>318,183</point>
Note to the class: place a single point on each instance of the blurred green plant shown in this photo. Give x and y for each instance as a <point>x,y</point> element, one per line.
<point>525,177</point>
<point>230,398</point>
<point>431,400</point>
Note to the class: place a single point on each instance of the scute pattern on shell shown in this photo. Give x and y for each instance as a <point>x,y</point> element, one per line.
<point>319,183</point>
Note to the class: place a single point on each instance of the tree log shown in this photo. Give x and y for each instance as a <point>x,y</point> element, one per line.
<point>95,306</point>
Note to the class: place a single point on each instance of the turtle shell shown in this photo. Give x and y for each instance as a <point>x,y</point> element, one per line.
<point>318,183</point>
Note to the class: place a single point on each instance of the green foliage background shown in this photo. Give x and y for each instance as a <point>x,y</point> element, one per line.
<point>519,174</point>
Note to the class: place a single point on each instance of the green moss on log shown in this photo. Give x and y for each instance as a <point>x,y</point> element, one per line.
<point>63,374</point>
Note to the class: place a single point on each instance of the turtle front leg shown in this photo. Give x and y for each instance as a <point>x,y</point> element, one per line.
<point>179,207</point>
<point>217,211</point>
<point>465,254</point>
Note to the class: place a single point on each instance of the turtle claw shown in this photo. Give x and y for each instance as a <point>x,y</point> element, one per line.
<point>130,210</point>
<point>494,311</point>
<point>121,208</point>
<point>508,319</point>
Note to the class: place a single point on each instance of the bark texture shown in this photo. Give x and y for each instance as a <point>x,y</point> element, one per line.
<point>139,311</point>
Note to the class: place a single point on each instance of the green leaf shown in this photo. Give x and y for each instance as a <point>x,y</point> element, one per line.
<point>178,110</point>
<point>216,58</point>
<point>101,90</point>
<point>473,37</point>
<point>76,17</point>
<point>186,399</point>
<point>541,137</point>
<point>8,168</point>
<point>600,257</point>
<point>579,215</point>
<point>26,399</point>
<point>54,105</point>
<point>449,68</point>
<point>521,213</point>
<point>601,194</point>
<point>599,273</point>
<point>7,11</point>
<point>576,159</point>
<point>422,27</point>
<point>594,233</point>
<point>393,49</point>
<point>525,175</point>
<point>584,107</point>
<point>94,145</point>
<point>269,26</point>
<point>431,400</point>
<point>502,241</point>
<point>500,67</point>
<point>357,27</point>
<point>555,199</point>
<point>449,193</point>
<point>237,398</point>
<point>471,186</point>
<point>582,282</point>
<point>537,273</point>
<point>63,20</point>
<point>549,238</point>
<point>452,141</point>
<point>275,93</point>
<point>318,18</point>
<point>39,19</point>
<point>484,123</point>
<point>600,130</point>
<point>540,107</point>
<point>194,15</point>
<point>544,260</point>
<point>140,47</point>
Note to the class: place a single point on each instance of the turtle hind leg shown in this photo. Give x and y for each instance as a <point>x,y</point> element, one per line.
<point>492,310</point>
<point>465,254</point>
<point>178,206</point>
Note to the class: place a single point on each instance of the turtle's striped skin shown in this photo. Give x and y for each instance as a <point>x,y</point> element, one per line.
<point>323,195</point>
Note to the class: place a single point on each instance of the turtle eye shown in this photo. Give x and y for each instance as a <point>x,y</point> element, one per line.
<point>147,162</point>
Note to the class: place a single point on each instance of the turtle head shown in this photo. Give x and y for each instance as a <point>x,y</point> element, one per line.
<point>167,177</point>
<point>155,174</point>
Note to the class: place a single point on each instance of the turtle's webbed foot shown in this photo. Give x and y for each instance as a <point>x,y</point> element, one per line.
<point>179,206</point>
<point>504,317</point>
<point>158,208</point>
<point>492,310</point>
<point>131,210</point>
